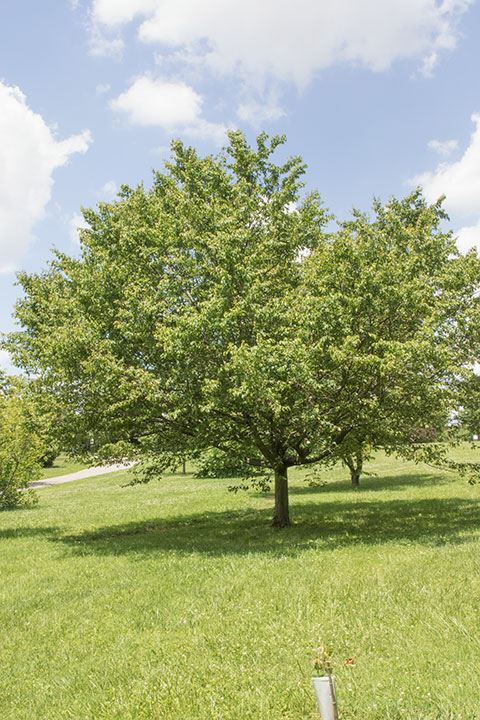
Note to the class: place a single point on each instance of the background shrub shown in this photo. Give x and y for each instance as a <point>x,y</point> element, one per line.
<point>218,464</point>
<point>20,449</point>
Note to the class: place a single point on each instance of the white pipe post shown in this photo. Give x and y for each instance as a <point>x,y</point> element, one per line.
<point>326,697</point>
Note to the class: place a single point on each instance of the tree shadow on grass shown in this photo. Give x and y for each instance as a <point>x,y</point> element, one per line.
<point>391,483</point>
<point>27,532</point>
<point>323,526</point>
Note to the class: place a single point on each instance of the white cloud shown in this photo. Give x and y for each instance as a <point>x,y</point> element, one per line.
<point>5,361</point>
<point>468,237</point>
<point>102,88</point>
<point>29,153</point>
<point>205,130</point>
<point>257,113</point>
<point>257,41</point>
<point>429,63</point>
<point>459,181</point>
<point>119,12</point>
<point>443,147</point>
<point>157,102</point>
<point>109,190</point>
<point>163,150</point>
<point>170,105</point>
<point>103,45</point>
<point>76,223</point>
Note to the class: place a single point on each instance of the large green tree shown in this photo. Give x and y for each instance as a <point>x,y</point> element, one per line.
<point>214,310</point>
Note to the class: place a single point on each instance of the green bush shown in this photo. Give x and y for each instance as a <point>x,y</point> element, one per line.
<point>20,448</point>
<point>48,458</point>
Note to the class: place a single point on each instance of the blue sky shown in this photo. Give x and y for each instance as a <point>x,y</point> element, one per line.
<point>376,95</point>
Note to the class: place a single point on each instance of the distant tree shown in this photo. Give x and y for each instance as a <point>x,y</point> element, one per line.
<point>468,417</point>
<point>407,304</point>
<point>214,311</point>
<point>44,419</point>
<point>20,445</point>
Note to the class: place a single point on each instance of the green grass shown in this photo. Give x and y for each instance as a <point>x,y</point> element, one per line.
<point>176,600</point>
<point>62,466</point>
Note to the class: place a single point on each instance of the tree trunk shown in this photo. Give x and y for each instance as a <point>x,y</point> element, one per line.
<point>355,477</point>
<point>281,517</point>
<point>355,465</point>
<point>184,467</point>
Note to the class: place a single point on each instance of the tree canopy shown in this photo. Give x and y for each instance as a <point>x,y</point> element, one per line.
<point>215,310</point>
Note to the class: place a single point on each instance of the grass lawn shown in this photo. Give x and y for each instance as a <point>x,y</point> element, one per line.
<point>62,466</point>
<point>176,600</point>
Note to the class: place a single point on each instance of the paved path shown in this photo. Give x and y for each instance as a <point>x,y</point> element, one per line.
<point>80,474</point>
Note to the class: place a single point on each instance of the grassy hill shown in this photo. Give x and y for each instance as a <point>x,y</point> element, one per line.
<point>176,600</point>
